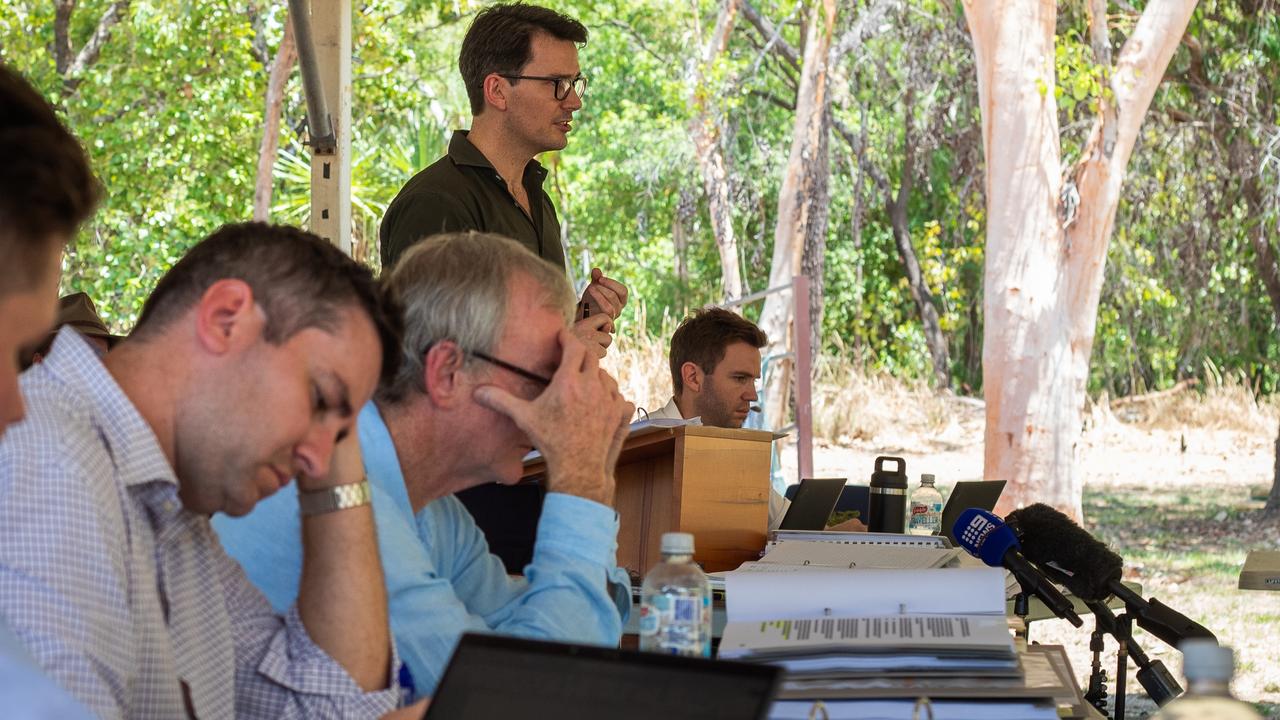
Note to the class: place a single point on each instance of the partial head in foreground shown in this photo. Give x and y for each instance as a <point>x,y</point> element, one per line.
<point>480,309</point>
<point>46,191</point>
<point>715,362</point>
<point>521,62</point>
<point>264,342</point>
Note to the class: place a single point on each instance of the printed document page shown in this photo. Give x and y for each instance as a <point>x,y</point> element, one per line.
<point>857,556</point>
<point>940,635</point>
<point>753,596</point>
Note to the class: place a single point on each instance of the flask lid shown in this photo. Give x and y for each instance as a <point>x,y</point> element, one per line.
<point>677,543</point>
<point>1204,659</point>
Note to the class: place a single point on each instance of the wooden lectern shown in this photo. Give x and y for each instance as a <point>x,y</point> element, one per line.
<point>712,482</point>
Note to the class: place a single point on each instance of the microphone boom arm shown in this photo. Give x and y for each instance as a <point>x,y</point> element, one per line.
<point>1159,619</point>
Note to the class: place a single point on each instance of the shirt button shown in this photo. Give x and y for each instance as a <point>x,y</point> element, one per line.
<point>170,506</point>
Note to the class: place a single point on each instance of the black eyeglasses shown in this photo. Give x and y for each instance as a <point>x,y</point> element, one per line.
<point>527,375</point>
<point>511,368</point>
<point>562,84</point>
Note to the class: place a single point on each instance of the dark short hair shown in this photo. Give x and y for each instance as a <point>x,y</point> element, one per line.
<point>500,40</point>
<point>299,280</point>
<point>46,186</point>
<point>703,336</point>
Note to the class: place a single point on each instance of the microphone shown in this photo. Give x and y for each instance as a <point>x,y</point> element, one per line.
<point>984,535</point>
<point>1091,571</point>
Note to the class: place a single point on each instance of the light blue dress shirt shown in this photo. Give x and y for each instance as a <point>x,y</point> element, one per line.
<point>442,580</point>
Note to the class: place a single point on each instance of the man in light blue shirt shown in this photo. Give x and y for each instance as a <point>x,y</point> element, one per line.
<point>490,372</point>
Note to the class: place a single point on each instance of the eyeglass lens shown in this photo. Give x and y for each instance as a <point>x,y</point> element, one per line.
<point>579,85</point>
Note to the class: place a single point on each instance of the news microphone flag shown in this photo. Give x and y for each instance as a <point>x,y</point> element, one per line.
<point>984,535</point>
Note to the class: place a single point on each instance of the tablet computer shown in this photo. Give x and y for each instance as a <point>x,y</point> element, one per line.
<point>969,494</point>
<point>813,503</point>
<point>494,676</point>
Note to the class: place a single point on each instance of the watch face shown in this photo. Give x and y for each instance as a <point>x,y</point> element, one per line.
<point>340,497</point>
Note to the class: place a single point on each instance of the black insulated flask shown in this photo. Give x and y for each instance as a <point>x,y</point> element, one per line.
<point>888,506</point>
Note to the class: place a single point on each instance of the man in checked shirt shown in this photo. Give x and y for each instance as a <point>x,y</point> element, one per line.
<point>245,370</point>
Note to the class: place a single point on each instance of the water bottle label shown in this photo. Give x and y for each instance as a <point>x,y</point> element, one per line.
<point>650,620</point>
<point>687,609</point>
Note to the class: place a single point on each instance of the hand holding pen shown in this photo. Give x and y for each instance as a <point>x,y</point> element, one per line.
<point>601,303</point>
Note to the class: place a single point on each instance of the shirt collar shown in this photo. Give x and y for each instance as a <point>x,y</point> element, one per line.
<point>671,409</point>
<point>130,441</point>
<point>381,464</point>
<point>462,152</point>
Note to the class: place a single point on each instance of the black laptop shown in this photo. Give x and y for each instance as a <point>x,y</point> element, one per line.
<point>812,504</point>
<point>968,494</point>
<point>493,676</point>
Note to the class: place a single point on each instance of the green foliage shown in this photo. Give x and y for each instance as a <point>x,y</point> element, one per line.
<point>171,114</point>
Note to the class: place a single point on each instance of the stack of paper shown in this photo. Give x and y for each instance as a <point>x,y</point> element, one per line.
<point>875,646</point>
<point>870,642</point>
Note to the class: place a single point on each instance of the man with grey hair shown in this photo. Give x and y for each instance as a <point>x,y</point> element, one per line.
<point>490,372</point>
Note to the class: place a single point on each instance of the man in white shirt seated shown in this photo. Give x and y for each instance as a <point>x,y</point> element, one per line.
<point>715,363</point>
<point>490,371</point>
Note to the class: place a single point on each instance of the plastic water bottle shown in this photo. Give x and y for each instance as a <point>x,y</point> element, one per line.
<point>926,508</point>
<point>675,602</point>
<point>1208,668</point>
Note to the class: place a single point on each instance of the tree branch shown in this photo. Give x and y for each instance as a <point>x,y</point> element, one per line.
<point>637,39</point>
<point>89,53</point>
<point>772,35</point>
<point>1101,43</point>
<point>862,28</point>
<point>62,10</point>
<point>774,100</point>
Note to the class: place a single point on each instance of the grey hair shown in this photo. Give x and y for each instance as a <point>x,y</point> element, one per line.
<point>453,286</point>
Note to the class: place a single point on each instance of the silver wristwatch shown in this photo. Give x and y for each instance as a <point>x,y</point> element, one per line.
<point>338,497</point>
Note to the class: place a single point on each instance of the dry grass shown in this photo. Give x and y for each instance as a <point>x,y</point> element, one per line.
<point>638,359</point>
<point>1221,404</point>
<point>851,403</point>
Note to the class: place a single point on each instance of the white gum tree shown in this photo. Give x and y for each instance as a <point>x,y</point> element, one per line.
<point>1048,226</point>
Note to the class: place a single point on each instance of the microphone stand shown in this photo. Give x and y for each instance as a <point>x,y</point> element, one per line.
<point>1021,607</point>
<point>1154,677</point>
<point>1096,694</point>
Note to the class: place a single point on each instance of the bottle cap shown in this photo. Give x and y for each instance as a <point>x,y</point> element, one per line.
<point>677,543</point>
<point>1206,660</point>
<point>926,479</point>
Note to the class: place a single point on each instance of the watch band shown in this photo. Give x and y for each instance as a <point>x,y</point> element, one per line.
<point>338,497</point>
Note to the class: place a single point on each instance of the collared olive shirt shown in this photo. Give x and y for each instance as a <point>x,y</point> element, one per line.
<point>462,191</point>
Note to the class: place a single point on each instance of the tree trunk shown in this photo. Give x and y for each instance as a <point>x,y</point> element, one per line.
<point>1273,500</point>
<point>707,129</point>
<point>802,201</point>
<point>896,204</point>
<point>685,210</point>
<point>813,257</point>
<point>281,66</point>
<point>1047,234</point>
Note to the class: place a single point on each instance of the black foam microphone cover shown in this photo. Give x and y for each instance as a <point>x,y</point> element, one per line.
<point>1051,538</point>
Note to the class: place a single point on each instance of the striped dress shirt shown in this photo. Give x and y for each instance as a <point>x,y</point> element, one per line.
<point>122,596</point>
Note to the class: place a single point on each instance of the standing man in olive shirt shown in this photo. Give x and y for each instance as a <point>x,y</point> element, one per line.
<point>520,66</point>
